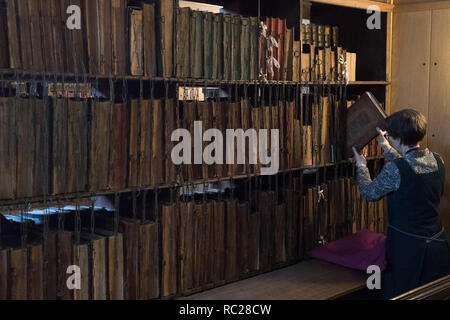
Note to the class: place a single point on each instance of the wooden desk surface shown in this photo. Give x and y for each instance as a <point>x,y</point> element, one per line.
<point>307,280</point>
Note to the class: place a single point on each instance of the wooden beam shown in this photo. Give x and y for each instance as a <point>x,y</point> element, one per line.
<point>360,4</point>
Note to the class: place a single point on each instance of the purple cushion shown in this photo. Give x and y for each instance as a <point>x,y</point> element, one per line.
<point>357,251</point>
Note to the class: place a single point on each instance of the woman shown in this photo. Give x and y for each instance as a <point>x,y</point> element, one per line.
<point>417,250</point>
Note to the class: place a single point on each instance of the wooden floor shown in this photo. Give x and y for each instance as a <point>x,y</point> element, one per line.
<point>307,280</point>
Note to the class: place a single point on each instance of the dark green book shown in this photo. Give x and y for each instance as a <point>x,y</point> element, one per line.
<point>217,62</point>
<point>182,54</point>
<point>226,47</point>
<point>196,40</point>
<point>245,48</point>
<point>236,48</point>
<point>207,44</point>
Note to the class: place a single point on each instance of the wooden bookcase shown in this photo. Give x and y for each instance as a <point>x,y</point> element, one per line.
<point>373,76</point>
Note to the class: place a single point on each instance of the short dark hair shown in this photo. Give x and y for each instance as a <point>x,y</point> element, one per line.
<point>409,125</point>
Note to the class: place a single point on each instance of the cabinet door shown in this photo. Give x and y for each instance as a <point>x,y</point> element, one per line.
<point>410,61</point>
<point>439,107</point>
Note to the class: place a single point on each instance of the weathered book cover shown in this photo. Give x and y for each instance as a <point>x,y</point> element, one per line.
<point>196,47</point>
<point>296,64</point>
<point>182,43</point>
<point>64,259</point>
<point>93,35</point>
<point>254,48</point>
<point>120,143</point>
<point>164,14</point>
<point>199,246</point>
<point>207,45</point>
<point>106,47</point>
<point>219,241</point>
<point>149,39</point>
<point>253,241</point>
<point>4,50</point>
<point>209,244</point>
<point>99,145</point>
<point>15,58</point>
<point>281,30</point>
<point>35,35</point>
<point>133,153</point>
<point>18,266</point>
<point>280,233</point>
<point>136,42</point>
<point>25,35</point>
<point>42,142</point>
<point>231,258</point>
<point>130,230</point>
<point>245,49</point>
<point>266,202</point>
<point>171,124</point>
<point>236,48</point>
<point>119,36</point>
<point>362,120</point>
<point>77,146</point>
<point>148,261</point>
<point>227,47</point>
<point>217,59</point>
<point>158,161</point>
<point>242,237</point>
<point>35,277</point>
<point>81,259</point>
<point>288,54</point>
<point>3,274</point>
<point>25,146</point>
<point>169,225</point>
<point>186,246</point>
<point>145,165</point>
<point>8,161</point>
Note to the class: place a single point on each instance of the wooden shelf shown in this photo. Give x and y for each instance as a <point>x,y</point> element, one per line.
<point>87,194</point>
<point>10,74</point>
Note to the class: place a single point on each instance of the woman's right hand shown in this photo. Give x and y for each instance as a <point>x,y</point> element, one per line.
<point>382,141</point>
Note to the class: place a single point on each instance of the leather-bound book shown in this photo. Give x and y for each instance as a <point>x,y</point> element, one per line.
<point>362,119</point>
<point>254,39</point>
<point>236,48</point>
<point>245,49</point>
<point>217,59</point>
<point>196,44</point>
<point>207,45</point>
<point>182,65</point>
<point>281,29</point>
<point>15,60</point>
<point>120,35</point>
<point>4,51</point>
<point>136,42</point>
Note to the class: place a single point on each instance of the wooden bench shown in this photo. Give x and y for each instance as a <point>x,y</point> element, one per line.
<point>307,280</point>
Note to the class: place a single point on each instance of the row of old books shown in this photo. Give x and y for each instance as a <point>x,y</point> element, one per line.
<point>224,241</point>
<point>322,58</point>
<point>44,35</point>
<point>94,145</point>
<point>203,243</point>
<point>47,267</point>
<point>216,46</point>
